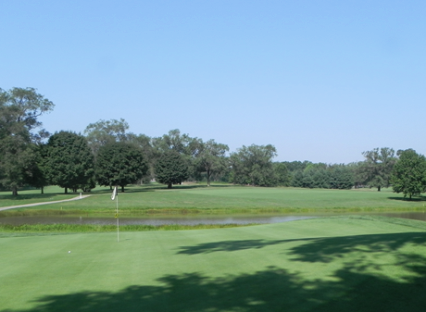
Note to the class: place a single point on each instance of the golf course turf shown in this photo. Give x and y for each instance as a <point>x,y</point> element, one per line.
<point>326,264</point>
<point>217,199</point>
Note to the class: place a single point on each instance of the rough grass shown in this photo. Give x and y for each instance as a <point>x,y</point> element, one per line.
<point>11,230</point>
<point>330,264</point>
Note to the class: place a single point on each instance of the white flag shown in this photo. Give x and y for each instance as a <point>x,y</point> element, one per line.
<point>114,193</point>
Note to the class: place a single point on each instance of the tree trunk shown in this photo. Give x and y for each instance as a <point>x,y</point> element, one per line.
<point>42,189</point>
<point>14,191</point>
<point>66,190</point>
<point>208,178</point>
<point>169,186</point>
<point>122,189</point>
<point>378,188</point>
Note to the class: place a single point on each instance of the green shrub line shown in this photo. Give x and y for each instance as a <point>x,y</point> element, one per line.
<point>206,211</point>
<point>86,228</point>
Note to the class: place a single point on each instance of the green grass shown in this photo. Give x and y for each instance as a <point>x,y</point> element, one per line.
<point>230,199</point>
<point>51,193</point>
<point>329,264</point>
<point>8,230</point>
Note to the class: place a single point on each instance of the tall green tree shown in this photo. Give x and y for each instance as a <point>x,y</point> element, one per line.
<point>341,177</point>
<point>35,170</point>
<point>211,159</point>
<point>104,132</point>
<point>409,174</point>
<point>120,163</point>
<point>70,161</point>
<point>171,168</point>
<point>282,175</point>
<point>144,142</point>
<point>20,128</point>
<point>188,147</point>
<point>377,167</point>
<point>253,165</point>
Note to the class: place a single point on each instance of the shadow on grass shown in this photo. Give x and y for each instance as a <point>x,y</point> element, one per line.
<point>156,187</point>
<point>414,199</point>
<point>351,287</point>
<point>105,190</point>
<point>317,249</point>
<point>32,196</point>
<point>272,289</point>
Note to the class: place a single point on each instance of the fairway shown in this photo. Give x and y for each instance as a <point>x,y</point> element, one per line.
<point>228,198</point>
<point>329,264</point>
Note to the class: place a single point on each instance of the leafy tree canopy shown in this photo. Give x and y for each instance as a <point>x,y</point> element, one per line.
<point>19,112</point>
<point>103,132</point>
<point>211,159</point>
<point>171,168</point>
<point>120,163</point>
<point>70,161</point>
<point>253,165</point>
<point>409,174</point>
<point>377,167</point>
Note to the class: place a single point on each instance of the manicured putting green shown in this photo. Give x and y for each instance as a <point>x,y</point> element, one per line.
<point>330,264</point>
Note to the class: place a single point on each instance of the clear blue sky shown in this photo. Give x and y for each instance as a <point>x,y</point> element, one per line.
<point>320,80</point>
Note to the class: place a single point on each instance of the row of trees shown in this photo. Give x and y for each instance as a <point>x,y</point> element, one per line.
<point>107,154</point>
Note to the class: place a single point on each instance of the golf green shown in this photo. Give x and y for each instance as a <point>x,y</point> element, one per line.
<point>330,264</point>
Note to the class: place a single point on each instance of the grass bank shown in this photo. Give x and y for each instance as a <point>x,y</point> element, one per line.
<point>329,264</point>
<point>6,229</point>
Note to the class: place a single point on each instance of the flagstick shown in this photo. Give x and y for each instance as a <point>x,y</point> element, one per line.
<point>118,224</point>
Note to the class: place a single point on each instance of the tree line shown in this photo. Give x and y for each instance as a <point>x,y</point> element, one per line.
<point>108,154</point>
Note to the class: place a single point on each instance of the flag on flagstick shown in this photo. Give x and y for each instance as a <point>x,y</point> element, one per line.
<point>114,193</point>
<point>113,196</point>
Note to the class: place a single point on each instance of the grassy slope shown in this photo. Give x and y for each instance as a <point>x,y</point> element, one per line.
<point>51,193</point>
<point>330,264</point>
<point>239,198</point>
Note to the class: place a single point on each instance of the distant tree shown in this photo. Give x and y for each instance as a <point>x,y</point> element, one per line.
<point>297,178</point>
<point>377,167</point>
<point>321,175</point>
<point>70,161</point>
<point>19,112</point>
<point>103,132</point>
<point>341,177</point>
<point>120,163</point>
<point>35,170</point>
<point>15,156</point>
<point>253,165</point>
<point>293,166</point>
<point>211,159</point>
<point>185,145</point>
<point>282,175</point>
<point>409,174</point>
<point>321,178</point>
<point>171,168</point>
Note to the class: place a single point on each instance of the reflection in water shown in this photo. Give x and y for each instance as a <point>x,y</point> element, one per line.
<point>185,220</point>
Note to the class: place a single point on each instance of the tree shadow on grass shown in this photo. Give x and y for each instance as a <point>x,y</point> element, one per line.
<point>162,187</point>
<point>32,196</point>
<point>316,249</point>
<point>272,289</point>
<point>407,199</point>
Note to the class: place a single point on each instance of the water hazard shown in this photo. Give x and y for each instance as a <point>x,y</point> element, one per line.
<point>185,220</point>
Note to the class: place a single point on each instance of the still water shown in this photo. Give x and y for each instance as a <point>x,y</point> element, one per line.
<point>186,220</point>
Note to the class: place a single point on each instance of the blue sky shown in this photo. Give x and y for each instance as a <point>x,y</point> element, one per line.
<point>320,80</point>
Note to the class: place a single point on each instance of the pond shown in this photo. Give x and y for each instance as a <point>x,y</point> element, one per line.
<point>186,220</point>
